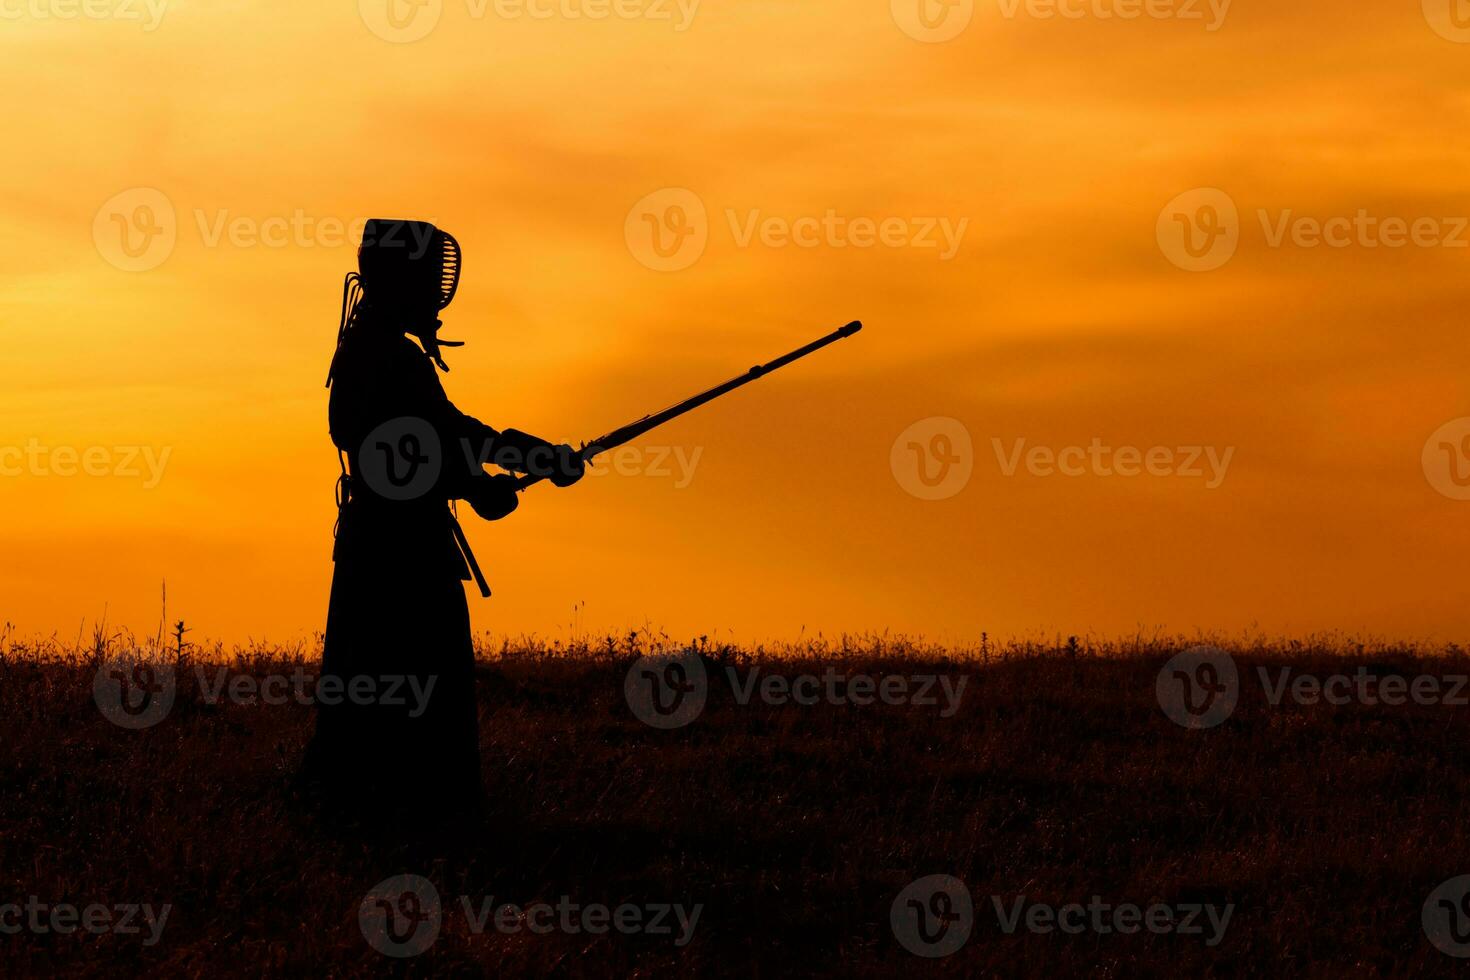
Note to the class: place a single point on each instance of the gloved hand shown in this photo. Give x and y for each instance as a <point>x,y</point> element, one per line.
<point>493,497</point>
<point>569,466</point>
<point>522,453</point>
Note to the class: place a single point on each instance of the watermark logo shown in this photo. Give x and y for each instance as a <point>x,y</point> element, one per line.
<point>933,459</point>
<point>1446,917</point>
<point>401,21</point>
<point>1201,687</point>
<point>666,691</point>
<point>136,230</point>
<point>133,691</point>
<point>668,230</point>
<point>1199,230</point>
<point>932,21</point>
<point>139,229</point>
<point>1198,688</point>
<point>1450,19</point>
<point>933,916</point>
<point>401,459</point>
<point>1446,459</point>
<point>401,915</point>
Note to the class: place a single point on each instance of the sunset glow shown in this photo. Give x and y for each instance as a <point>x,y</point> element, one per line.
<point>1163,434</point>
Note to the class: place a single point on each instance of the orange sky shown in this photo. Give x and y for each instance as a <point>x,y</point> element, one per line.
<point>1057,313</point>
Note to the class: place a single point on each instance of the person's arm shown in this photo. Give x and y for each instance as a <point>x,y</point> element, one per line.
<point>469,444</point>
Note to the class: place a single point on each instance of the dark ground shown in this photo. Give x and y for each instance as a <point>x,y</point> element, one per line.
<point>795,827</point>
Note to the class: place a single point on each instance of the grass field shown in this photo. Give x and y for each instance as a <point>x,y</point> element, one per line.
<point>795,829</point>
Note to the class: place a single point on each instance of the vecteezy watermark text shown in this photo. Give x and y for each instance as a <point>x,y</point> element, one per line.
<point>935,915</point>
<point>401,917</point>
<point>1211,13</point>
<point>38,917</point>
<point>1209,463</point>
<point>119,462</point>
<point>831,687</point>
<point>937,21</point>
<point>671,691</point>
<point>1103,918</point>
<point>1201,687</point>
<point>147,12</point>
<point>137,229</point>
<point>134,691</point>
<point>668,230</point>
<point>404,458</point>
<point>406,21</point>
<point>571,917</point>
<point>1201,230</point>
<point>835,230</point>
<point>659,462</point>
<point>934,459</point>
<point>410,691</point>
<point>1362,687</point>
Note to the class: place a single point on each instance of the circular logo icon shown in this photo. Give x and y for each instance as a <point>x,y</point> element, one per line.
<point>401,21</point>
<point>1446,459</point>
<point>1450,19</point>
<point>1446,917</point>
<point>1198,688</point>
<point>932,21</point>
<point>933,459</point>
<point>133,691</point>
<point>933,916</point>
<point>136,230</point>
<point>667,231</point>
<point>666,691</point>
<point>401,459</point>
<point>401,916</point>
<point>1199,230</point>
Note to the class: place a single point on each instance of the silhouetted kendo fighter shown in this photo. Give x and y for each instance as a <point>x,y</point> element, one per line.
<point>398,625</point>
